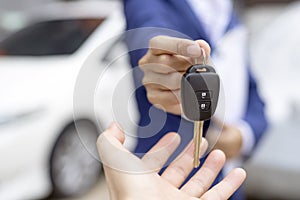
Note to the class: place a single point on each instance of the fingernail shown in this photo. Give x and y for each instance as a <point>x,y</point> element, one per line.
<point>112,125</point>
<point>115,130</point>
<point>204,141</point>
<point>193,50</point>
<point>115,125</point>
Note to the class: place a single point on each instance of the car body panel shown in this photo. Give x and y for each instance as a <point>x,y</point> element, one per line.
<point>37,103</point>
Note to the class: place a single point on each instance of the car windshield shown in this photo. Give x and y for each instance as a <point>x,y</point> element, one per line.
<point>58,37</point>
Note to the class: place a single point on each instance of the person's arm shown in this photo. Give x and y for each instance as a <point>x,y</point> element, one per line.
<point>255,114</point>
<point>129,177</point>
<point>247,132</point>
<point>240,138</point>
<point>142,14</point>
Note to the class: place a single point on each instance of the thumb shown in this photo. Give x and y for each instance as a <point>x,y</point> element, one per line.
<point>204,45</point>
<point>113,135</point>
<point>114,155</point>
<point>115,130</point>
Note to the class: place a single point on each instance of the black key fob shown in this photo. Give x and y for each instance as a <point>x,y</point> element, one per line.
<point>200,87</point>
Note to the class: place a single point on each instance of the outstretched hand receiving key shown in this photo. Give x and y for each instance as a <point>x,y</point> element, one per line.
<point>145,183</point>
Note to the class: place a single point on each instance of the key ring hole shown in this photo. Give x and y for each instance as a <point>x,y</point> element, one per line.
<point>199,70</point>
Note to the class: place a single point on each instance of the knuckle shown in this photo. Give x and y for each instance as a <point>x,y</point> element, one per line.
<point>202,187</point>
<point>151,97</point>
<point>147,83</point>
<point>180,171</point>
<point>153,161</point>
<point>164,59</point>
<point>144,60</point>
<point>175,80</point>
<point>154,41</point>
<point>172,100</point>
<point>141,62</point>
<point>182,45</point>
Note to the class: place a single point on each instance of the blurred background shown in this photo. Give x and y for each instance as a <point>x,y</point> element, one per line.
<point>40,151</point>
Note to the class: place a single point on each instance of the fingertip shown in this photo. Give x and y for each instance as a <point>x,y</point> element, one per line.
<point>203,44</point>
<point>203,147</point>
<point>115,130</point>
<point>237,176</point>
<point>241,173</point>
<point>204,142</point>
<point>118,132</point>
<point>115,125</point>
<point>219,154</point>
<point>111,125</point>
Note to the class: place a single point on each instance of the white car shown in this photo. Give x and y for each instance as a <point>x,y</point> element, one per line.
<point>40,150</point>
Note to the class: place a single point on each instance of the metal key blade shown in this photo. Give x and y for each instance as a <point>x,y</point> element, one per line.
<point>198,132</point>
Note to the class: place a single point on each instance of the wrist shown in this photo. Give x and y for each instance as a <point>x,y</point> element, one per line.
<point>248,140</point>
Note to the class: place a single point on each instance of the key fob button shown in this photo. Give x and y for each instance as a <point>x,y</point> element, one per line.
<point>204,106</point>
<point>205,95</point>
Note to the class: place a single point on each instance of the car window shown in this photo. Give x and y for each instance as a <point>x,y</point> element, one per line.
<point>59,37</point>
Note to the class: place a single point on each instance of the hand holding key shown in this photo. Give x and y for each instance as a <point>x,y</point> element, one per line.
<point>166,61</point>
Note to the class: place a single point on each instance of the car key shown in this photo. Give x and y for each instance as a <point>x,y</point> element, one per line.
<point>200,87</point>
